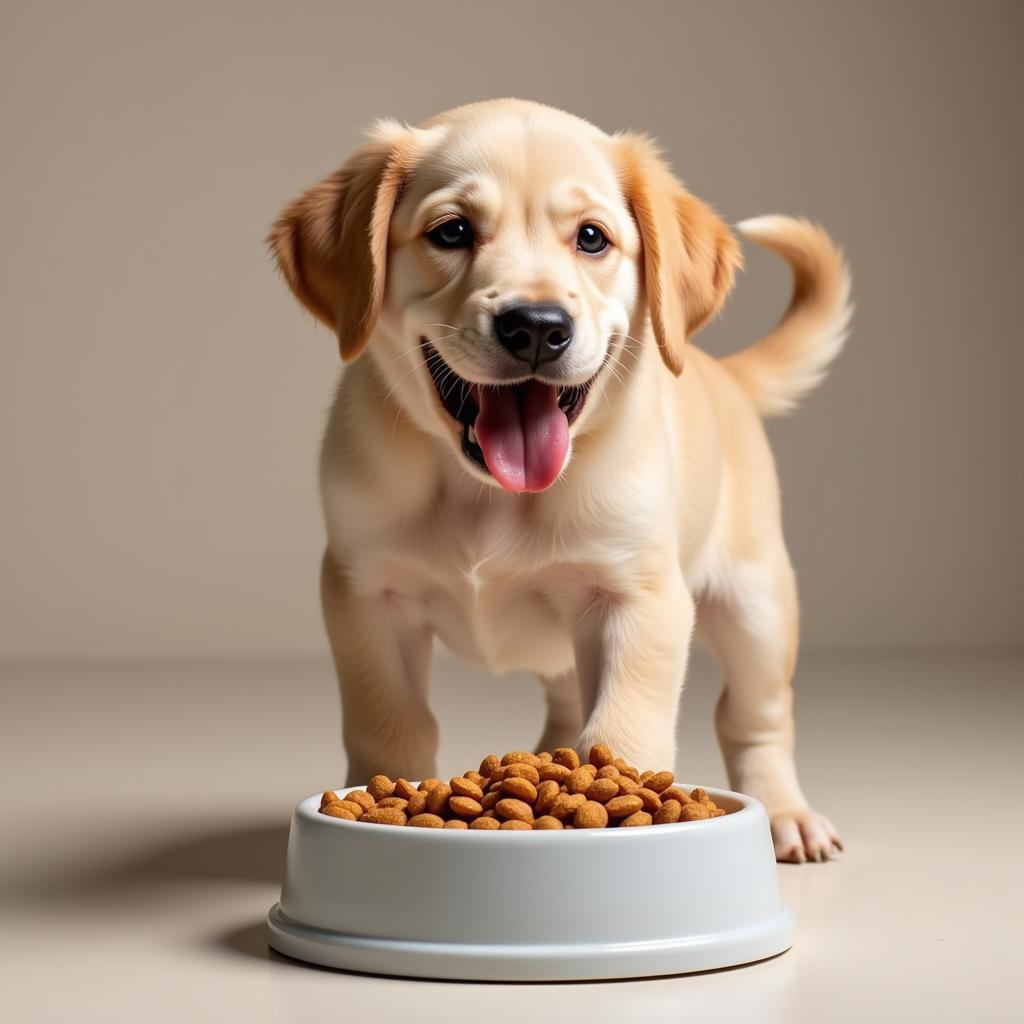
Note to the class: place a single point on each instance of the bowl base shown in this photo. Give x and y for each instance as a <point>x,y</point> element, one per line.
<point>529,963</point>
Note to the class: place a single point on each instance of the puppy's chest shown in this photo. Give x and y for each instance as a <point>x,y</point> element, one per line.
<point>491,590</point>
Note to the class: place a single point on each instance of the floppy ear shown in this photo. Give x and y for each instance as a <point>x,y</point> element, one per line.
<point>331,244</point>
<point>690,256</point>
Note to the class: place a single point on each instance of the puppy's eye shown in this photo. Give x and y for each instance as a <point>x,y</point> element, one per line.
<point>452,234</point>
<point>591,239</point>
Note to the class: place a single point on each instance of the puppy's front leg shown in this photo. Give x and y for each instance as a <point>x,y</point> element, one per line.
<point>631,649</point>
<point>382,656</point>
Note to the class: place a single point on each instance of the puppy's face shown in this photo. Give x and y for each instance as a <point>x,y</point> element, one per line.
<point>507,254</point>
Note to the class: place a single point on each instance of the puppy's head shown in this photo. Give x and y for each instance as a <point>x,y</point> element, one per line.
<point>504,257</point>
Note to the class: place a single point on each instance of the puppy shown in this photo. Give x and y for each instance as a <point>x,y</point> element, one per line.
<point>528,460</point>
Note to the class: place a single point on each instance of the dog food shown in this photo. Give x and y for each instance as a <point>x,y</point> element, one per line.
<point>523,791</point>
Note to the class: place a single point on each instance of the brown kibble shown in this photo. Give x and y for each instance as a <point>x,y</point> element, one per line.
<point>461,786</point>
<point>384,816</point>
<point>623,806</point>
<point>644,776</point>
<point>351,806</point>
<point>651,799</point>
<point>566,805</point>
<point>335,809</point>
<point>465,806</point>
<point>329,797</point>
<point>694,811</point>
<point>521,757</point>
<point>428,784</point>
<point>490,799</point>
<point>379,787</point>
<point>522,771</point>
<point>417,803</point>
<point>620,764</point>
<point>476,777</point>
<point>515,824</point>
<point>628,786</point>
<point>668,813</point>
<point>393,801</point>
<point>520,788</point>
<point>489,764</point>
<point>437,798</point>
<point>404,789</point>
<point>567,757</point>
<point>636,818</point>
<point>456,822</point>
<point>609,771</point>
<point>553,772</point>
<point>602,790</point>
<point>510,807</point>
<point>544,755</point>
<point>485,823</point>
<point>600,755</point>
<point>362,798</point>
<point>426,821</point>
<point>676,793</point>
<point>580,780</point>
<point>660,781</point>
<point>546,821</point>
<point>719,811</point>
<point>547,794</point>
<point>700,794</point>
<point>631,773</point>
<point>590,815</point>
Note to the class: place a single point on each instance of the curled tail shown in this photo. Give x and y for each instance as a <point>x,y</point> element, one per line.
<point>782,367</point>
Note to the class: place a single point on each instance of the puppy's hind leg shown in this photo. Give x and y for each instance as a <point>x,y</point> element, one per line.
<point>564,711</point>
<point>751,628</point>
<point>382,654</point>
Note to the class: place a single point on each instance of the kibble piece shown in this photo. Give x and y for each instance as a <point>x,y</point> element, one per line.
<point>609,771</point>
<point>521,771</point>
<point>694,811</point>
<point>351,806</point>
<point>520,788</point>
<point>631,773</point>
<point>567,757</point>
<point>590,815</point>
<point>334,809</point>
<point>544,755</point>
<point>602,790</point>
<point>485,823</point>
<point>379,787</point>
<point>566,805</point>
<point>465,806</point>
<point>404,788</point>
<point>651,799</point>
<point>384,816</point>
<point>600,755</point>
<point>461,786</point>
<point>490,799</point>
<point>511,808</point>
<point>554,772</point>
<point>660,781</point>
<point>476,777</point>
<point>361,797</point>
<point>455,823</point>
<point>417,803</point>
<point>437,798</point>
<point>514,823</point>
<point>636,818</point>
<point>521,757</point>
<point>329,797</point>
<point>545,822</point>
<point>623,806</point>
<point>668,813</point>
<point>676,793</point>
<point>580,780</point>
<point>719,811</point>
<point>700,794</point>
<point>488,765</point>
<point>393,801</point>
<point>428,784</point>
<point>426,821</point>
<point>547,794</point>
<point>644,776</point>
<point>627,785</point>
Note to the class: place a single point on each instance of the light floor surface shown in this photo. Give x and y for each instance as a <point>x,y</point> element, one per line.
<point>145,814</point>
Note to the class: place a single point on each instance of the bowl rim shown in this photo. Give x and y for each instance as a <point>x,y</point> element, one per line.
<point>309,810</point>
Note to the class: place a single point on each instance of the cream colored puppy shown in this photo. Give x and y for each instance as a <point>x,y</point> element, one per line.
<point>529,461</point>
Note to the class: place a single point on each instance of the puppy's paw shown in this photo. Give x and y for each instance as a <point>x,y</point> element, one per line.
<point>801,834</point>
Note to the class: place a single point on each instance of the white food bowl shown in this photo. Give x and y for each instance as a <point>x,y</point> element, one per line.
<point>532,906</point>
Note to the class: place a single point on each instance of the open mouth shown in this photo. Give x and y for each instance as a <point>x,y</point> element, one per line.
<point>519,433</point>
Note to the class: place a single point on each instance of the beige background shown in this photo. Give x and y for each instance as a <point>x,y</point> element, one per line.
<point>161,396</point>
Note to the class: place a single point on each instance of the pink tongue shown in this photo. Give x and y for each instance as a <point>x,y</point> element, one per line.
<point>523,434</point>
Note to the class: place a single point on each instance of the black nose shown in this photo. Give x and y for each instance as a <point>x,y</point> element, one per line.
<point>534,333</point>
